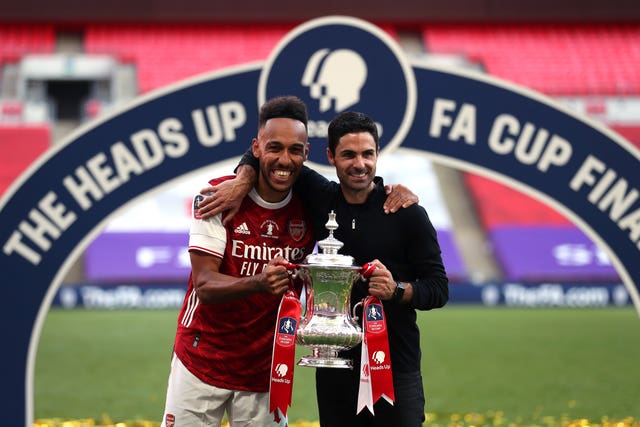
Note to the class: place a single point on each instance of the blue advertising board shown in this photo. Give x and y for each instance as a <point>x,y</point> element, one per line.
<point>134,296</point>
<point>117,257</point>
<point>464,120</point>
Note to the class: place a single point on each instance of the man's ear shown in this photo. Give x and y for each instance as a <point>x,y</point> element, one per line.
<point>330,157</point>
<point>255,146</point>
<point>306,151</point>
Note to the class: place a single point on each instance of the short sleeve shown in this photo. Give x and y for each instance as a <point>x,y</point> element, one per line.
<point>206,235</point>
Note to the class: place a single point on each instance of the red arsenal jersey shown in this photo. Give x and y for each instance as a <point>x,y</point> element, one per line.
<point>229,344</point>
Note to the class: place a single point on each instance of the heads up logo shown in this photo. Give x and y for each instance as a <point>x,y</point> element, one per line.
<point>335,78</point>
<point>337,64</point>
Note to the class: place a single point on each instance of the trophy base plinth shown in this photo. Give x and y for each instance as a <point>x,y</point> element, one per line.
<point>325,359</point>
<point>313,362</point>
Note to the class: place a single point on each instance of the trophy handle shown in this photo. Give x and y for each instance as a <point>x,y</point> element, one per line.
<point>365,272</point>
<point>292,270</point>
<point>353,311</point>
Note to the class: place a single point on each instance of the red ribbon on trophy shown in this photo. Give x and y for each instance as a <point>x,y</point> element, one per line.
<point>282,361</point>
<point>376,378</point>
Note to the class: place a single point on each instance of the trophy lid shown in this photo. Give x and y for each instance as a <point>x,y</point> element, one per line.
<point>329,260</point>
<point>330,247</point>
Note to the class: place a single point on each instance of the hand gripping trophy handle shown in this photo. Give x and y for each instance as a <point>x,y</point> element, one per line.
<point>365,272</point>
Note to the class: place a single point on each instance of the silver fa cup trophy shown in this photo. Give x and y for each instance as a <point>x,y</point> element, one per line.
<point>327,325</point>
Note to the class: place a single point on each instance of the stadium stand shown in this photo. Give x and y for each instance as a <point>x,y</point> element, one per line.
<point>18,39</point>
<point>164,54</point>
<point>532,242</point>
<point>555,59</point>
<point>629,132</point>
<point>19,147</point>
<point>20,144</point>
<point>498,205</point>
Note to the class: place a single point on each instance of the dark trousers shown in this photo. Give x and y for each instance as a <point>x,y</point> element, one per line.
<point>337,394</point>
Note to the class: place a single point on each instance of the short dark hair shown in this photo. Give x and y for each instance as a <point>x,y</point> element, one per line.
<point>350,122</point>
<point>290,107</point>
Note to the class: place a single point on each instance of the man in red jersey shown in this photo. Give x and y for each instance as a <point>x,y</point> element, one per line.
<point>224,339</point>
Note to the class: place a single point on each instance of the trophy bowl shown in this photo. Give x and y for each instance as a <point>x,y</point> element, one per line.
<point>327,326</point>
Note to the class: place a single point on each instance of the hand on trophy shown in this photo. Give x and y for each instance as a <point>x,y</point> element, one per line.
<point>381,283</point>
<point>275,278</point>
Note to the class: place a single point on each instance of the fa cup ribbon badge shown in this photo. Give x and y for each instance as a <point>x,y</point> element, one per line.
<point>375,353</point>
<point>375,322</point>
<point>281,381</point>
<point>286,335</point>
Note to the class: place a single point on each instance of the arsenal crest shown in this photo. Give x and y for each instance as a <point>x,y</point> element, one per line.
<point>297,228</point>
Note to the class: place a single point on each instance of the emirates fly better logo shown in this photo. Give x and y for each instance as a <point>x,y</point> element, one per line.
<point>337,64</point>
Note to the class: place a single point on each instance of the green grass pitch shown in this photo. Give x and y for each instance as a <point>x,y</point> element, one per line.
<point>529,364</point>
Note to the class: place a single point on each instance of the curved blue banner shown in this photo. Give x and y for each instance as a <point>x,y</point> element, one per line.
<point>467,121</point>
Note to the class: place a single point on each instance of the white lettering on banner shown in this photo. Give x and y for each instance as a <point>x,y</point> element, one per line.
<point>151,147</point>
<point>462,128</point>
<point>533,145</point>
<point>47,224</point>
<point>57,212</point>
<point>151,256</point>
<point>82,187</point>
<point>148,148</point>
<point>130,297</point>
<point>610,194</point>
<point>125,162</point>
<point>320,128</point>
<point>91,182</point>
<point>555,295</point>
<point>176,143</point>
<point>220,122</point>
<point>100,175</point>
<point>380,368</point>
<point>530,145</point>
<point>579,254</point>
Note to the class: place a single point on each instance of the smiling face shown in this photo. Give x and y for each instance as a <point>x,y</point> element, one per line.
<point>355,159</point>
<point>282,148</point>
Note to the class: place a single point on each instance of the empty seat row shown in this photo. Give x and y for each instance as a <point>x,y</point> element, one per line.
<point>556,59</point>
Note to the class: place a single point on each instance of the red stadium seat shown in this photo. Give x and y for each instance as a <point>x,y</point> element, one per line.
<point>556,59</point>
<point>630,133</point>
<point>498,205</point>
<point>19,147</point>
<point>18,39</point>
<point>164,54</point>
